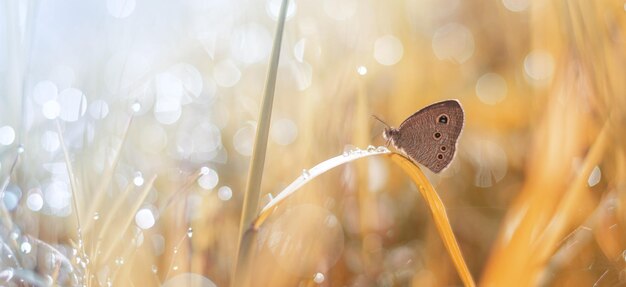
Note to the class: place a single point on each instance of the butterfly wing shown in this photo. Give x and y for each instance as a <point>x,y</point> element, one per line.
<point>429,136</point>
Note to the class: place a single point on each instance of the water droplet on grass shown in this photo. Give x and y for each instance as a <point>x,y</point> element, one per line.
<point>136,107</point>
<point>594,177</point>
<point>189,232</point>
<point>318,278</point>
<point>306,174</point>
<point>382,149</point>
<point>25,247</point>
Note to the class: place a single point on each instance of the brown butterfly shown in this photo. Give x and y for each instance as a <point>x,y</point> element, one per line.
<point>429,136</point>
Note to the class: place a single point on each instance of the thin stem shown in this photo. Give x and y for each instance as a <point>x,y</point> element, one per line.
<point>253,187</point>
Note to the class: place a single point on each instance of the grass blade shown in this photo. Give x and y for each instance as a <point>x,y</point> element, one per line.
<point>427,191</point>
<point>255,176</point>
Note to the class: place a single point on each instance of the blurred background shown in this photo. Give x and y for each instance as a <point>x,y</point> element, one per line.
<point>127,128</point>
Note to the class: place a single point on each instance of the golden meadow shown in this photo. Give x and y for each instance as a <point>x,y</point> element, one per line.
<point>232,143</point>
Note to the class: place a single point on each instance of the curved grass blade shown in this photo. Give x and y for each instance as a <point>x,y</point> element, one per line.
<point>427,191</point>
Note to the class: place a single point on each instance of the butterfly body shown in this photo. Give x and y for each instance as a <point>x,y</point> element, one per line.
<point>429,136</point>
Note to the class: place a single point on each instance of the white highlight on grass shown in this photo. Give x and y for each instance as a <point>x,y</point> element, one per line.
<point>226,73</point>
<point>539,65</point>
<point>208,180</point>
<point>34,201</point>
<point>594,177</point>
<point>322,168</point>
<point>388,50</point>
<point>144,218</point>
<point>516,5</point>
<point>224,193</point>
<point>491,88</point>
<point>50,141</point>
<point>121,8</point>
<point>73,104</point>
<point>45,91</point>
<point>272,7</point>
<point>7,135</point>
<point>453,42</point>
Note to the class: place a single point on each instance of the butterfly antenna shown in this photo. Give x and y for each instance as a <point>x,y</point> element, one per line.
<point>373,116</point>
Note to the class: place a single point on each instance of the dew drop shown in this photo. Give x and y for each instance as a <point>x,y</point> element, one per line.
<point>175,267</point>
<point>204,170</point>
<point>175,250</point>
<point>189,232</point>
<point>346,153</point>
<point>138,180</point>
<point>96,216</point>
<point>319,277</point>
<point>382,149</point>
<point>371,148</point>
<point>25,247</point>
<point>362,70</point>
<point>306,174</point>
<point>14,235</point>
<point>119,261</point>
<point>155,269</point>
<point>20,148</point>
<point>136,107</point>
<point>594,177</point>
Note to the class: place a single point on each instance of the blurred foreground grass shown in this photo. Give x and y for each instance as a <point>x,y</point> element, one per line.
<point>126,130</point>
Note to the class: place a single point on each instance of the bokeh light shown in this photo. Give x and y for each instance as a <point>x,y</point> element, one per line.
<point>127,143</point>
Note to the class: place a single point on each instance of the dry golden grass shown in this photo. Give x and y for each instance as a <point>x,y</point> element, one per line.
<point>535,197</point>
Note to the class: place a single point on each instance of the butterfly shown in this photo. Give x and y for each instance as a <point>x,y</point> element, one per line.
<point>429,136</point>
